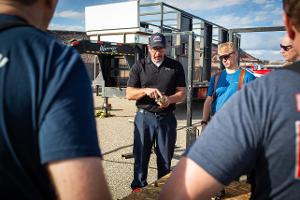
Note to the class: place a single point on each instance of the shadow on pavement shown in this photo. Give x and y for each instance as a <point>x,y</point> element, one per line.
<point>117,149</point>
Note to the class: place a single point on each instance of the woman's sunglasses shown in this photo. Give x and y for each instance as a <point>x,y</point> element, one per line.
<point>285,47</point>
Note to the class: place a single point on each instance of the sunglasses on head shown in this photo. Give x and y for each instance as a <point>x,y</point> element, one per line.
<point>285,47</point>
<point>226,57</point>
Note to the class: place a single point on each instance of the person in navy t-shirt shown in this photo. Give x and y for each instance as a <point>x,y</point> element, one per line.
<point>48,139</point>
<point>260,131</point>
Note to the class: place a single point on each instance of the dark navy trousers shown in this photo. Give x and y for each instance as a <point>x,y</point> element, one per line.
<point>150,127</point>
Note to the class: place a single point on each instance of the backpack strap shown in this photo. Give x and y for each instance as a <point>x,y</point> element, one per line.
<point>11,24</point>
<point>241,79</point>
<point>218,74</point>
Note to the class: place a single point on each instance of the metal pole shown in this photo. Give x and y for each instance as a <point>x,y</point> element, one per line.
<point>95,65</point>
<point>207,52</point>
<point>162,17</point>
<point>231,36</point>
<point>223,37</point>
<point>190,137</point>
<point>105,106</point>
<point>237,42</point>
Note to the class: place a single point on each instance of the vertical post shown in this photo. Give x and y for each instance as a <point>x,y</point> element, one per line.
<point>223,37</point>
<point>190,137</point>
<point>95,65</point>
<point>161,17</point>
<point>231,36</point>
<point>98,76</point>
<point>237,42</point>
<point>105,106</point>
<point>236,39</point>
<point>207,52</point>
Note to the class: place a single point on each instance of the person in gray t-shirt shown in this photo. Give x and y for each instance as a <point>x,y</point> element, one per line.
<point>262,128</point>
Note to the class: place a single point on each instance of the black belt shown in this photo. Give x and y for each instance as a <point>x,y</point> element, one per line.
<point>155,113</point>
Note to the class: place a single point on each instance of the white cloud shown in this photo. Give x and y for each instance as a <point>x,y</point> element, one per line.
<point>266,11</point>
<point>266,3</point>
<point>277,22</point>
<point>65,27</point>
<point>266,55</point>
<point>270,18</point>
<point>233,21</point>
<point>264,46</point>
<point>200,4</point>
<point>261,41</point>
<point>70,14</point>
<point>261,16</point>
<point>260,1</point>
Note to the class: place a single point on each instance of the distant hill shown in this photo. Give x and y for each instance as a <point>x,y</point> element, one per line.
<point>67,36</point>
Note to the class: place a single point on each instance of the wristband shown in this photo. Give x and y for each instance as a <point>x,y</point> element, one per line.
<point>203,122</point>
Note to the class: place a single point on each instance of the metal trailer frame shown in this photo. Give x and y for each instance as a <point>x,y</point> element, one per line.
<point>184,22</point>
<point>188,28</point>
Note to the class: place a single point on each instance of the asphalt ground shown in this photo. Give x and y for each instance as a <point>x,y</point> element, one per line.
<point>116,139</point>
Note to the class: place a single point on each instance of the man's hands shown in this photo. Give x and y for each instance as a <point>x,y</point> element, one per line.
<point>153,93</point>
<point>163,101</point>
<point>160,99</point>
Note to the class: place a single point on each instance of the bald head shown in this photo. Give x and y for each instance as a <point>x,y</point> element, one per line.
<point>287,50</point>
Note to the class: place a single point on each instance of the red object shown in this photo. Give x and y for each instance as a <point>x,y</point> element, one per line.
<point>136,190</point>
<point>257,71</point>
<point>297,173</point>
<point>261,71</point>
<point>74,43</point>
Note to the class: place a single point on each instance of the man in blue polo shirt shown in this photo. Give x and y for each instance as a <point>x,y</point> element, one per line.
<point>157,84</point>
<point>48,140</point>
<point>262,128</point>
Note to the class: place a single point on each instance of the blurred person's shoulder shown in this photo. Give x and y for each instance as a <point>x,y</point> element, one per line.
<point>34,36</point>
<point>293,66</point>
<point>26,37</point>
<point>280,79</point>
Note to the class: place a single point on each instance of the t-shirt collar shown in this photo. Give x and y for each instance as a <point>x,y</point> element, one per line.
<point>7,17</point>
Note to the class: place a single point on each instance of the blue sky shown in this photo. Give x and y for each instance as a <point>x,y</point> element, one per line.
<point>69,15</point>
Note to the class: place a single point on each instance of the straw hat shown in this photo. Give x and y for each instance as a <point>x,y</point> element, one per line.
<point>226,48</point>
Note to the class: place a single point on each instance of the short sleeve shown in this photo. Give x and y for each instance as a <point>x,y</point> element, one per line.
<point>67,124</point>
<point>227,147</point>
<point>180,76</point>
<point>210,90</point>
<point>134,76</point>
